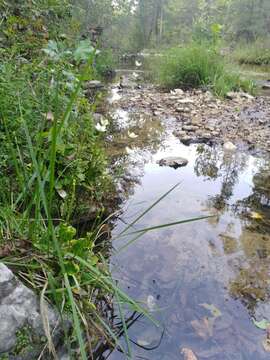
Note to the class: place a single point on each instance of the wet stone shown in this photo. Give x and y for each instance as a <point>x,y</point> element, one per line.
<point>174,162</point>
<point>183,109</point>
<point>186,140</point>
<point>180,133</point>
<point>266,85</point>
<point>190,128</point>
<point>94,84</point>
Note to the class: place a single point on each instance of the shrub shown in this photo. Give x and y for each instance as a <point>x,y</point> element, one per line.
<point>196,66</point>
<point>105,64</point>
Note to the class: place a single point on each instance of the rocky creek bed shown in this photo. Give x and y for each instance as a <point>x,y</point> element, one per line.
<point>201,117</point>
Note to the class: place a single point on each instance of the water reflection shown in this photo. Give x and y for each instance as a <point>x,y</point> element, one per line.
<point>202,281</point>
<point>252,283</point>
<point>212,163</point>
<point>188,271</point>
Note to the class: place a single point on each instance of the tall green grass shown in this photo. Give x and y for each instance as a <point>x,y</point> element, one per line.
<point>254,53</point>
<point>194,66</point>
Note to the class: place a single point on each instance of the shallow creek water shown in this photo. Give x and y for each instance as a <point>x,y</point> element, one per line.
<point>204,281</point>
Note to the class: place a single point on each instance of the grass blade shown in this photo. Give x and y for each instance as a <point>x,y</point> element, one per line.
<point>148,209</point>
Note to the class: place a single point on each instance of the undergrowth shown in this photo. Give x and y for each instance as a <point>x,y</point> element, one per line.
<point>254,53</point>
<point>53,169</point>
<point>195,66</point>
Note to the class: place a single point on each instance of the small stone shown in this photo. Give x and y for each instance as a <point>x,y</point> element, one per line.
<point>186,140</point>
<point>232,95</point>
<point>246,96</point>
<point>177,92</point>
<point>94,84</point>
<point>195,121</point>
<point>180,133</point>
<point>190,128</point>
<point>266,86</point>
<point>209,127</point>
<point>206,135</point>
<point>183,109</point>
<point>174,162</point>
<point>186,101</point>
<point>229,146</point>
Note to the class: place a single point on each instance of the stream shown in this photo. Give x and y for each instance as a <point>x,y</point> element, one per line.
<point>206,281</point>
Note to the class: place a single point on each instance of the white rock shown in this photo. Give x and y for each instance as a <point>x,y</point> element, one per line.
<point>229,146</point>
<point>177,92</point>
<point>19,307</point>
<point>186,101</point>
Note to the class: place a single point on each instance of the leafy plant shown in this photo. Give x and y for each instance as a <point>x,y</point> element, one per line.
<point>196,66</point>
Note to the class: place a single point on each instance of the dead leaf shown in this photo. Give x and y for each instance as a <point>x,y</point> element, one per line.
<point>188,354</point>
<point>5,250</point>
<point>266,345</point>
<point>255,215</point>
<point>213,309</point>
<point>203,327</point>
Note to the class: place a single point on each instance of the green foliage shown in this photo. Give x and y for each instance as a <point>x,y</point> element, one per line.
<point>27,25</point>
<point>248,19</point>
<point>105,63</point>
<point>196,66</point>
<point>52,162</point>
<point>40,100</point>
<point>255,53</point>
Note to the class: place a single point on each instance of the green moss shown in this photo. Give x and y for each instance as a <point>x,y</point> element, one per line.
<point>24,340</point>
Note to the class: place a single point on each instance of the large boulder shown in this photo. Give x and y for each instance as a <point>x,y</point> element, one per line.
<point>20,312</point>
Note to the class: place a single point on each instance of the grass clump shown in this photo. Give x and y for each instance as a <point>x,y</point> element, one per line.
<point>195,66</point>
<point>255,53</point>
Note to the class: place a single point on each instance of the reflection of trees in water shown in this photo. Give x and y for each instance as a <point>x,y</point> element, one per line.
<point>258,201</point>
<point>127,156</point>
<point>213,163</point>
<point>252,282</point>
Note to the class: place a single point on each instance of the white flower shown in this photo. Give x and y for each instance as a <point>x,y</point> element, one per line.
<point>102,125</point>
<point>138,64</point>
<point>128,150</point>
<point>135,75</point>
<point>100,128</point>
